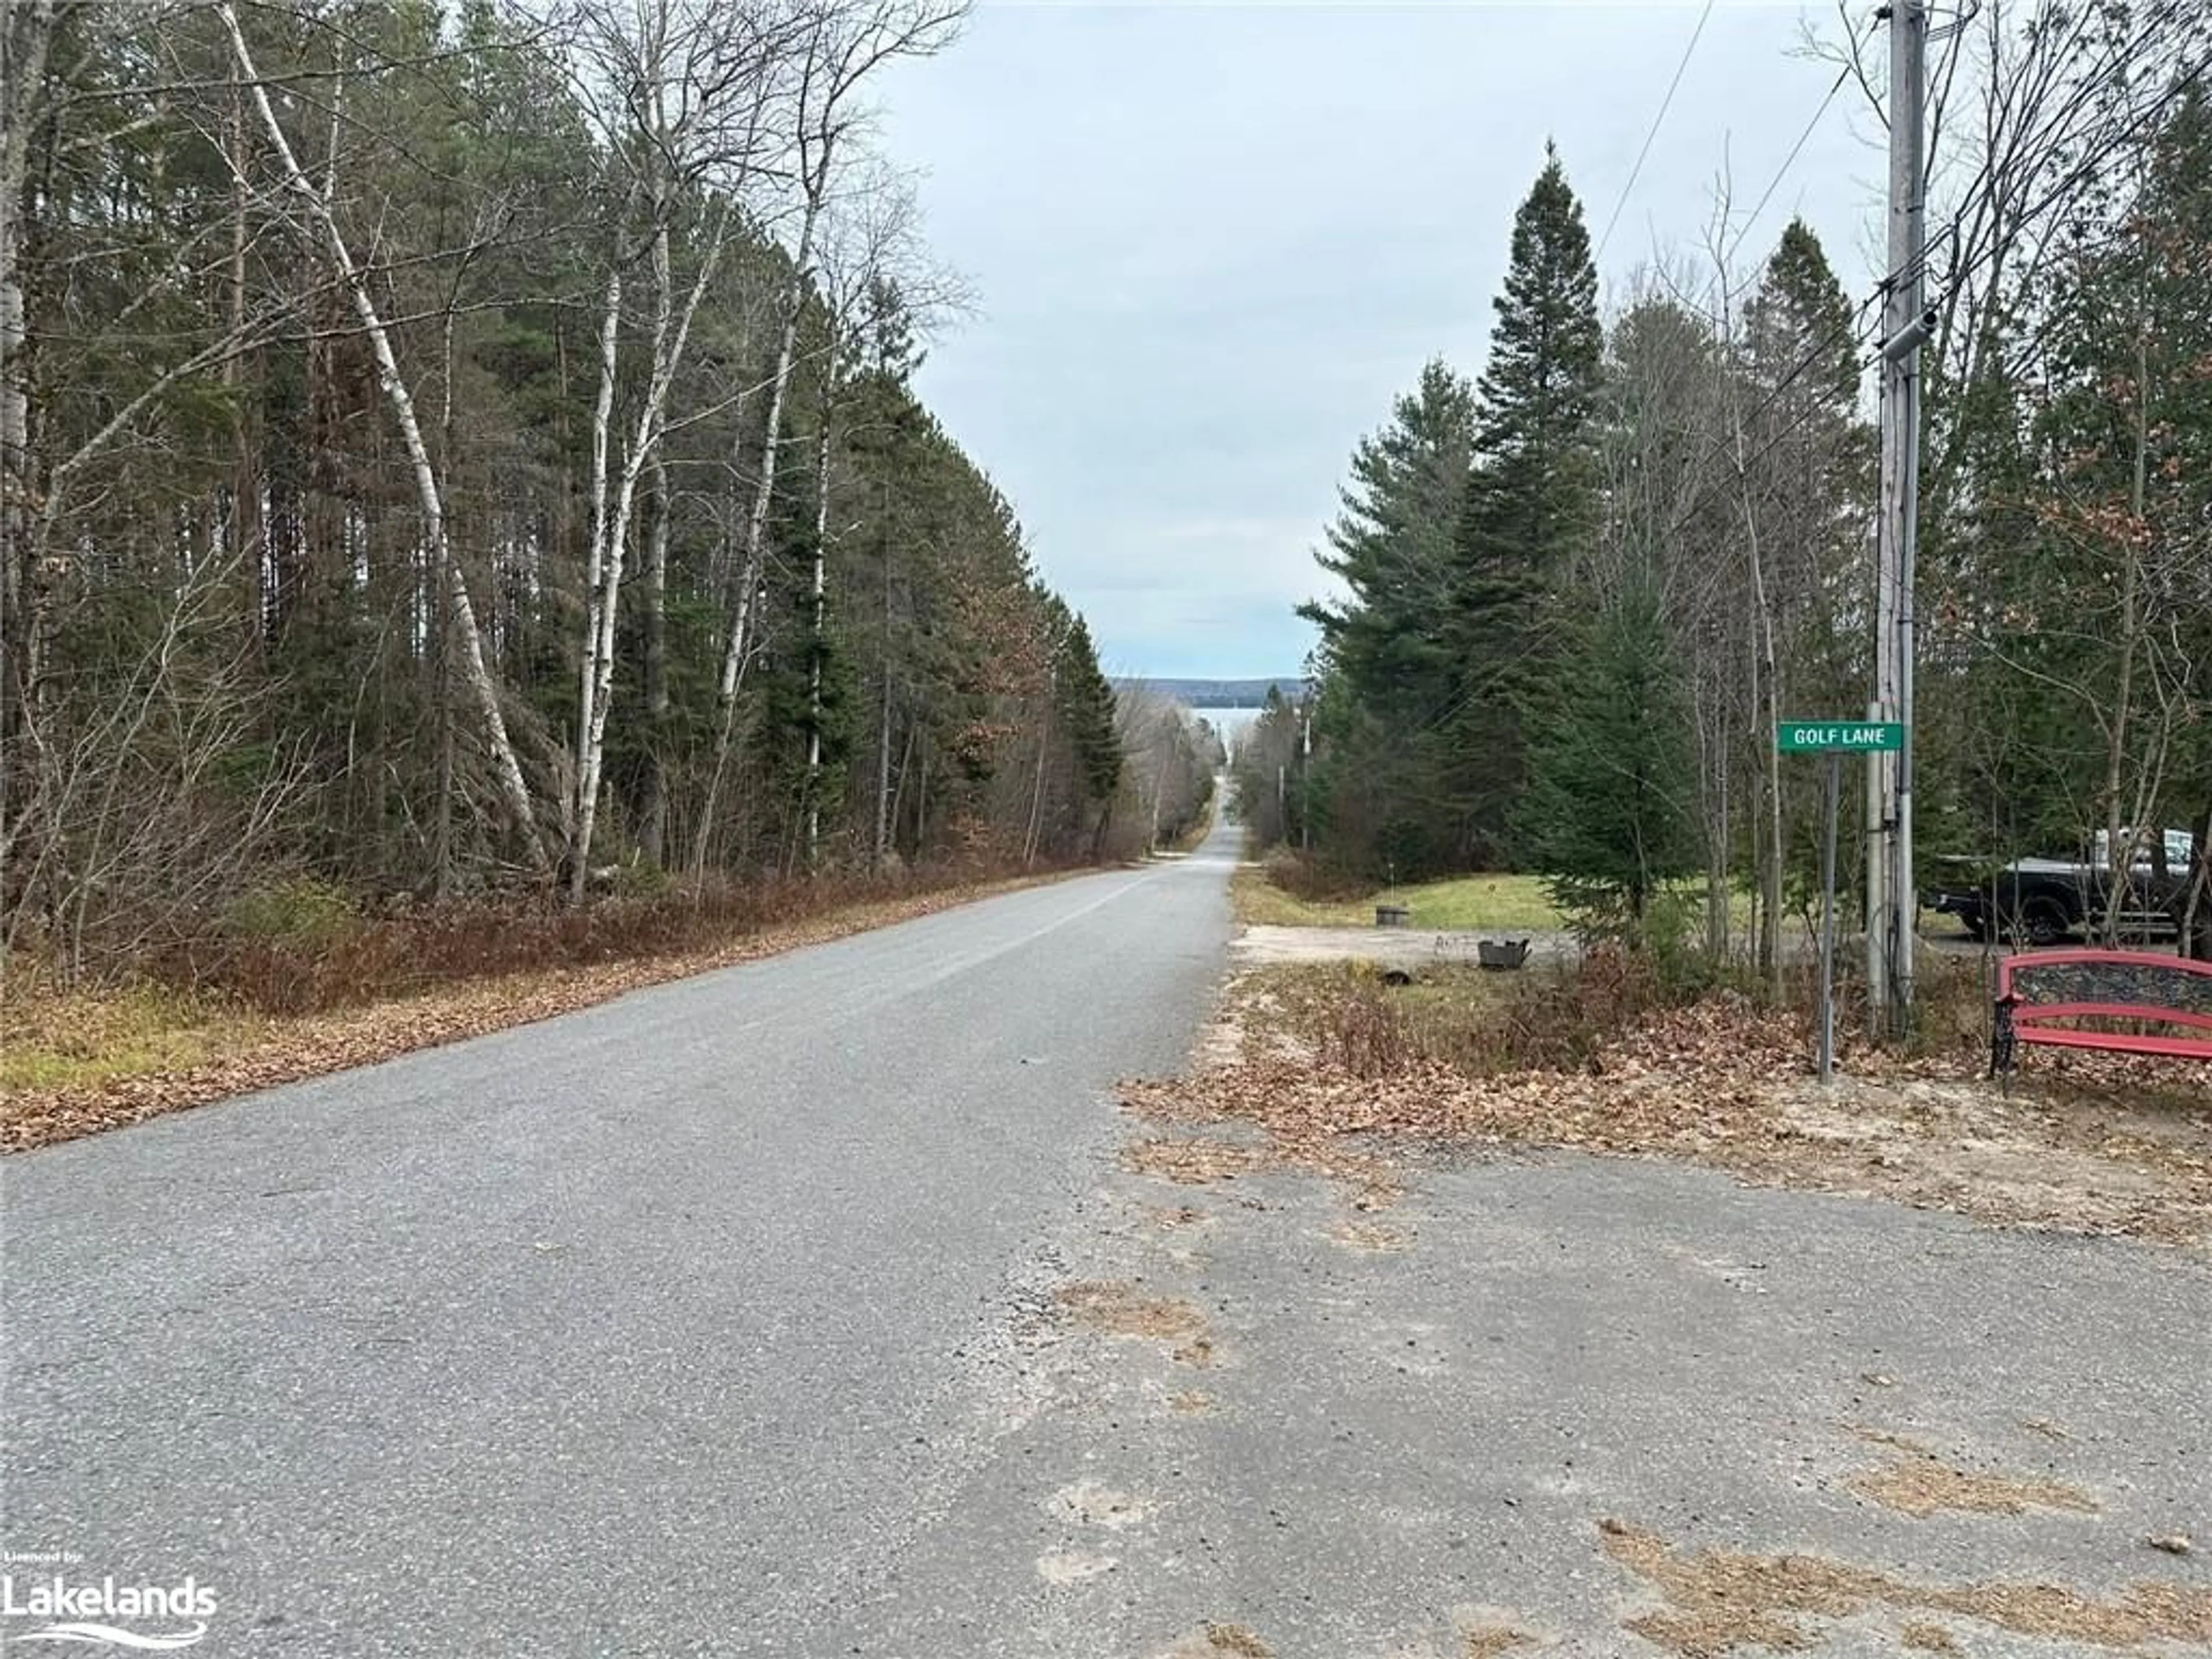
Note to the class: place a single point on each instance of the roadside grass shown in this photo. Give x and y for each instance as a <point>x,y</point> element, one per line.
<point>1354,1019</point>
<point>74,1060</point>
<point>1455,904</point>
<point>71,1040</point>
<point>1458,903</point>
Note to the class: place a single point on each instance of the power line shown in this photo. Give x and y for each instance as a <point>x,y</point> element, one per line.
<point>1795,150</point>
<point>1853,332</point>
<point>1665,104</point>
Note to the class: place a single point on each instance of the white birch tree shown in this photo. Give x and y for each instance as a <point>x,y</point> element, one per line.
<point>844,42</point>
<point>688,92</point>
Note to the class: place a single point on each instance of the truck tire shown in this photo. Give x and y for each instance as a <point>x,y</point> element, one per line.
<point>2038,922</point>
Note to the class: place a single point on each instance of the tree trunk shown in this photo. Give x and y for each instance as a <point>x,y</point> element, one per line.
<point>441,647</point>
<point>755,543</point>
<point>2196,915</point>
<point>653,809</point>
<point>1036,793</point>
<point>814,659</point>
<point>576,812</point>
<point>26,33</point>
<point>2119,859</point>
<point>1717,855</point>
<point>672,333</point>
<point>884,736</point>
<point>245,535</point>
<point>1768,678</point>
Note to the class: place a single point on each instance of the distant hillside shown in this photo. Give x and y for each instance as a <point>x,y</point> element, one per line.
<point>1220,694</point>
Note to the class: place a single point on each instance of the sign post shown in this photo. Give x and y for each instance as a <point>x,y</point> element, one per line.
<point>1834,739</point>
<point>1827,1016</point>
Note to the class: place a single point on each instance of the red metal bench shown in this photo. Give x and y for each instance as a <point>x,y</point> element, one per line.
<point>2073,999</point>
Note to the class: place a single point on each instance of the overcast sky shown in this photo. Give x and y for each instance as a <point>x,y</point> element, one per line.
<point>1212,243</point>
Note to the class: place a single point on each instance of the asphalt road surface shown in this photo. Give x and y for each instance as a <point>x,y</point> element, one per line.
<point>664,1327</point>
<point>720,1320</point>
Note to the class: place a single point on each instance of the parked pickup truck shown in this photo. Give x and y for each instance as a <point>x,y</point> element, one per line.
<point>2042,901</point>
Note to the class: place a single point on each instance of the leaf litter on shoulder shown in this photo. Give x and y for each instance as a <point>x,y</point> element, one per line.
<point>1924,1636</point>
<point>1723,1082</point>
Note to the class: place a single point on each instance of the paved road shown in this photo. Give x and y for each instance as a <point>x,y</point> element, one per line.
<point>720,1321</point>
<point>1413,1426</point>
<point>661,1328</point>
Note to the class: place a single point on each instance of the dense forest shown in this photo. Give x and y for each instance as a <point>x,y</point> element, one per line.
<point>464,452</point>
<point>1583,590</point>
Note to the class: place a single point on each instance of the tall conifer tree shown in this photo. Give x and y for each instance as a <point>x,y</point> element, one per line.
<point>1530,505</point>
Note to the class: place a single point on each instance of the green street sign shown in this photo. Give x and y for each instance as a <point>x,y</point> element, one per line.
<point>1838,736</point>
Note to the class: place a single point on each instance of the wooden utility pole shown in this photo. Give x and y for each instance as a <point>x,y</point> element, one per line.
<point>1891,898</point>
<point>1305,779</point>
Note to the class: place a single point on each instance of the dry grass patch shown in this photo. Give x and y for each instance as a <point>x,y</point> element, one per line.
<point>1237,1639</point>
<point>59,1042</point>
<point>1494,1640</point>
<point>1720,1602</point>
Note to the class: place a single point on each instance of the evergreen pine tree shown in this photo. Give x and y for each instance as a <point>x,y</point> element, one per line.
<point>1085,714</point>
<point>1799,324</point>
<point>1392,545</point>
<point>1392,675</point>
<point>1530,507</point>
<point>1610,812</point>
